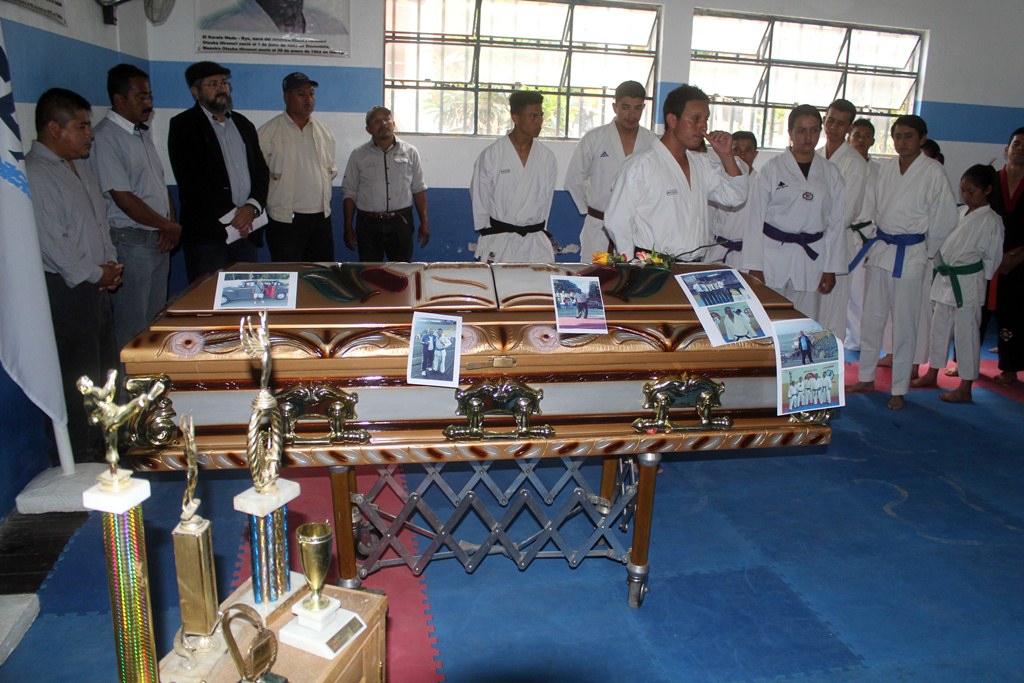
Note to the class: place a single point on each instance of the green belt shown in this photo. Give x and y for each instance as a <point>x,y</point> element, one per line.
<point>952,271</point>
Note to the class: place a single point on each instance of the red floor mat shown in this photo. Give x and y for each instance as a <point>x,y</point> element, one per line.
<point>412,654</point>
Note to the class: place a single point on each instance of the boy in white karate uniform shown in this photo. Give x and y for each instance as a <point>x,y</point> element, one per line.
<point>914,214</point>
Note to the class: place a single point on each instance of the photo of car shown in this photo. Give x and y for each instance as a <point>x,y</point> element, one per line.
<point>251,290</point>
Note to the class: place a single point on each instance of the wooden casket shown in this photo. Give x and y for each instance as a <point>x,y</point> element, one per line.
<point>651,384</point>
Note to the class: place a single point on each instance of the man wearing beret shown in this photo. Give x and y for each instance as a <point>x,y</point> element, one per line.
<point>221,175</point>
<point>300,153</point>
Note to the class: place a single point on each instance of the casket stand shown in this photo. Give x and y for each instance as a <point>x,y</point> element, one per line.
<point>653,384</point>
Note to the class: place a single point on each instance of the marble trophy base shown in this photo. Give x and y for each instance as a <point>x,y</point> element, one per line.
<point>210,653</point>
<point>251,502</point>
<point>324,632</point>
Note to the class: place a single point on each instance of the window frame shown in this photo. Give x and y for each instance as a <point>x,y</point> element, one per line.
<point>565,92</point>
<point>759,101</point>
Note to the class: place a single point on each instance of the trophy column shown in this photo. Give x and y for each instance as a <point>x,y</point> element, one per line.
<point>119,498</point>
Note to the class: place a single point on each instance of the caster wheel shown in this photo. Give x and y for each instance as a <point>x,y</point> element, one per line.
<point>637,592</point>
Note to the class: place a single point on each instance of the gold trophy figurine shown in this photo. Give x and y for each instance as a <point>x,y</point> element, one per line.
<point>266,425</point>
<point>321,626</point>
<point>99,404</point>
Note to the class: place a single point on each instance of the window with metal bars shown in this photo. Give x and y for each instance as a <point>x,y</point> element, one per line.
<point>756,68</point>
<point>450,65</point>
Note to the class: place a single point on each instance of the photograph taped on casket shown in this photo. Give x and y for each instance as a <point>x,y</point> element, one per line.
<point>256,290</point>
<point>727,308</point>
<point>811,371</point>
<point>579,307</point>
<point>435,349</point>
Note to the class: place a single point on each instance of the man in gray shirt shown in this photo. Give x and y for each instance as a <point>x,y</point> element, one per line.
<point>383,179</point>
<point>139,210</point>
<point>78,257</point>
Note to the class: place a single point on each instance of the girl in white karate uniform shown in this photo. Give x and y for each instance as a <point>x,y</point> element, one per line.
<point>965,263</point>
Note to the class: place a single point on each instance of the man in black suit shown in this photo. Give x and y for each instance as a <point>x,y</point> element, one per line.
<point>219,168</point>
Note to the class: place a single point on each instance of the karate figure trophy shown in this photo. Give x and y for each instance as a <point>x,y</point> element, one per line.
<point>119,498</point>
<point>267,502</point>
<point>198,646</point>
<point>322,627</point>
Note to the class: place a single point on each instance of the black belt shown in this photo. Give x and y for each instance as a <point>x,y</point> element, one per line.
<point>501,228</point>
<point>859,229</point>
<point>804,239</point>
<point>384,215</point>
<point>730,245</point>
<point>599,215</point>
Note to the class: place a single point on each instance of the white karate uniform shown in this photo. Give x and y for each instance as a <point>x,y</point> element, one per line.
<point>977,237</point>
<point>916,202</point>
<point>853,168</point>
<point>596,161</point>
<point>794,396</point>
<point>654,207</point>
<point>503,188</point>
<point>732,223</point>
<point>855,308</point>
<point>794,204</point>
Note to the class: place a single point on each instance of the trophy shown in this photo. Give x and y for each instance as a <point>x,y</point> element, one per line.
<point>197,643</point>
<point>261,653</point>
<point>321,626</point>
<point>119,498</point>
<point>266,502</point>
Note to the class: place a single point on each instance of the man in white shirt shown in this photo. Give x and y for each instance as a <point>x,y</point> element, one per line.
<point>915,212</point>
<point>512,189</point>
<point>599,156</point>
<point>853,168</point>
<point>299,151</point>
<point>659,200</point>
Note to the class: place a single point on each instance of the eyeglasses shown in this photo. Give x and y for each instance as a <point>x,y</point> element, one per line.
<point>213,85</point>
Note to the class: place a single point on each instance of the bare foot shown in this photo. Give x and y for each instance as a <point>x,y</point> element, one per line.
<point>928,379</point>
<point>956,396</point>
<point>951,372</point>
<point>885,361</point>
<point>895,403</point>
<point>1005,378</point>
<point>860,387</point>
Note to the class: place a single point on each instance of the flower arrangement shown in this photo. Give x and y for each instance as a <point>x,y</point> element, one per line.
<point>604,258</point>
<point>655,259</point>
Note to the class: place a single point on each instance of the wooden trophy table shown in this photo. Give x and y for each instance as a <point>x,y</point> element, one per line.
<point>361,661</point>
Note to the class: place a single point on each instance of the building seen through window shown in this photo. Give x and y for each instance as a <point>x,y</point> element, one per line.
<point>757,68</point>
<point>451,64</point>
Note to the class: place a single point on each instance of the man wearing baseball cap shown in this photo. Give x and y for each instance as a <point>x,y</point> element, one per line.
<point>300,153</point>
<point>221,175</point>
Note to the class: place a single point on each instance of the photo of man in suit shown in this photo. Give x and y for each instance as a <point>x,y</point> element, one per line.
<point>218,165</point>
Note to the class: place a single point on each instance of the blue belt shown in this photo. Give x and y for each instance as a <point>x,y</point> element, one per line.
<point>804,239</point>
<point>901,242</point>
<point>730,245</point>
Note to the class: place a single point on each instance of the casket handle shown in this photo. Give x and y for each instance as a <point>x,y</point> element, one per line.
<point>683,390</point>
<point>504,396</point>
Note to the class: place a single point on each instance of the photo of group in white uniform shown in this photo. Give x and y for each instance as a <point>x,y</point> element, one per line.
<point>809,359</point>
<point>727,308</point>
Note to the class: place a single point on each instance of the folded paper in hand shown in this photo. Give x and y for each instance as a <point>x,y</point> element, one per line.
<point>233,234</point>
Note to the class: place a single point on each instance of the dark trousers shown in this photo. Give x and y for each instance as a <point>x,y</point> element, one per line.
<point>309,237</point>
<point>385,239</point>
<point>83,326</point>
<point>204,258</point>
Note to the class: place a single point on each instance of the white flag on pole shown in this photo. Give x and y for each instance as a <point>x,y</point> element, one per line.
<point>27,348</point>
